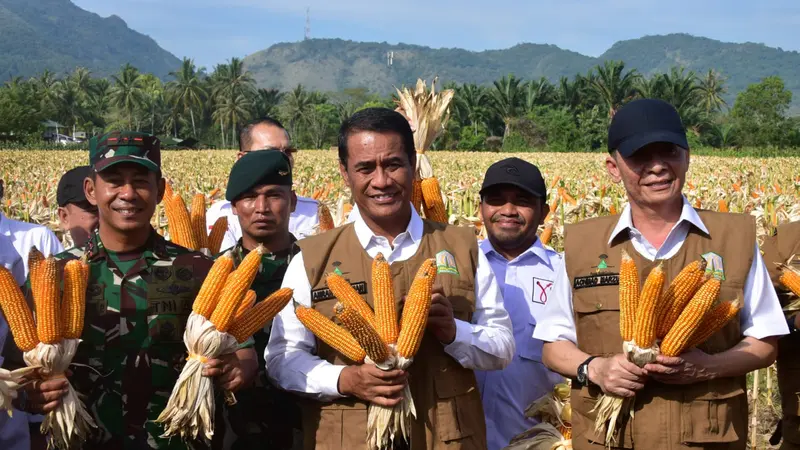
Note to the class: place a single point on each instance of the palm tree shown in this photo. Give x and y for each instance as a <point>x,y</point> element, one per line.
<point>296,105</point>
<point>712,88</point>
<point>127,93</point>
<point>469,105</point>
<point>70,105</point>
<point>652,87</point>
<point>267,101</point>
<point>81,80</point>
<point>232,110</point>
<point>538,92</point>
<point>613,85</point>
<point>233,80</point>
<point>507,100</point>
<point>47,88</point>
<point>187,88</point>
<point>681,90</point>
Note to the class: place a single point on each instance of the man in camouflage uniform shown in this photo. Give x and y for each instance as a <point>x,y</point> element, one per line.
<point>139,296</point>
<point>260,192</point>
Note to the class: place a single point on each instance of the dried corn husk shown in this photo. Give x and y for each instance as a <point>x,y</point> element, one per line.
<point>10,382</point>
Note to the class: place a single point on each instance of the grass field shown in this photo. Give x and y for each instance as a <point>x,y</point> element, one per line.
<point>766,188</point>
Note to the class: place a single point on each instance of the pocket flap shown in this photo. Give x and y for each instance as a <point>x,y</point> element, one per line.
<point>595,299</point>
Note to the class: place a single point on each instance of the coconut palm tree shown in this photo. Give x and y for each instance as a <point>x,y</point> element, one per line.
<point>267,101</point>
<point>712,88</point>
<point>47,88</point>
<point>652,87</point>
<point>613,85</point>
<point>507,100</point>
<point>232,110</point>
<point>127,93</point>
<point>538,92</point>
<point>187,89</point>
<point>296,105</point>
<point>469,105</point>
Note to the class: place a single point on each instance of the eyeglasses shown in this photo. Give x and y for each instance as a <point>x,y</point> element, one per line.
<point>286,151</point>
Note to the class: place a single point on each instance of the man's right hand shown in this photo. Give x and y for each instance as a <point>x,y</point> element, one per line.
<point>45,396</point>
<point>616,375</point>
<point>372,384</point>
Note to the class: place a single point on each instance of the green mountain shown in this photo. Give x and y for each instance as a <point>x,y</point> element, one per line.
<point>56,35</point>
<point>335,64</point>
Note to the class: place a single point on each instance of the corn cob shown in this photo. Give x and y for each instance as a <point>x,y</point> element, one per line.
<point>247,303</point>
<point>790,278</point>
<point>257,316</point>
<point>48,307</point>
<point>366,336</point>
<point>547,234</point>
<point>416,195</point>
<point>169,194</point>
<point>383,298</point>
<point>206,301</point>
<point>722,206</point>
<point>680,291</point>
<point>17,313</point>
<point>73,302</point>
<point>565,431</point>
<point>328,332</point>
<point>180,225</point>
<point>415,310</point>
<point>217,235</point>
<point>35,257</point>
<point>645,331</point>
<point>432,200</point>
<point>690,319</point>
<point>236,287</point>
<point>325,218</point>
<point>717,318</point>
<point>628,296</point>
<point>345,293</point>
<point>198,220</point>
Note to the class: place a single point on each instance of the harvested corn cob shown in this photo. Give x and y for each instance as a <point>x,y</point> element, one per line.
<point>790,278</point>
<point>236,287</point>
<point>722,206</point>
<point>206,300</point>
<point>73,303</point>
<point>180,225</point>
<point>714,320</point>
<point>645,330</point>
<point>35,258</point>
<point>217,235</point>
<point>678,294</point>
<point>547,234</point>
<point>198,220</point>
<point>345,293</point>
<point>432,200</point>
<point>256,317</point>
<point>383,298</point>
<point>337,337</point>
<point>690,319</point>
<point>17,313</point>
<point>416,195</point>
<point>628,296</point>
<point>365,335</point>
<point>48,302</point>
<point>248,302</point>
<point>415,310</point>
<point>325,219</point>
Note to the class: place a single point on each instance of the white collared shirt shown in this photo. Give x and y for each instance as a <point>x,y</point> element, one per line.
<point>760,317</point>
<point>302,222</point>
<point>486,343</point>
<point>526,283</point>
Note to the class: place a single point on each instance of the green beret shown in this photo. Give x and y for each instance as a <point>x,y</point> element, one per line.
<point>258,168</point>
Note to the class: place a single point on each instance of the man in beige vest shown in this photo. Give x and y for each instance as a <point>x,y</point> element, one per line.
<point>697,400</point>
<point>784,247</point>
<point>468,328</point>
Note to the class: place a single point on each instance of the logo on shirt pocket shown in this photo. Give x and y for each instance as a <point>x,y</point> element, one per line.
<point>541,290</point>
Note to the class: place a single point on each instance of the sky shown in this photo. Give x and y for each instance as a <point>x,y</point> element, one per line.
<point>211,31</point>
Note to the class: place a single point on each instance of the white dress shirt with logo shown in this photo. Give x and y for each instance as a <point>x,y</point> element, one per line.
<point>16,240</point>
<point>302,222</point>
<point>486,343</point>
<point>527,284</point>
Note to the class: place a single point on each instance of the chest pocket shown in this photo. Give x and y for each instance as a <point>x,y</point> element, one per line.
<point>461,295</point>
<point>595,309</point>
<point>170,293</point>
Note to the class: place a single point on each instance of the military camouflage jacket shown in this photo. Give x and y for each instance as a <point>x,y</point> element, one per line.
<point>133,339</point>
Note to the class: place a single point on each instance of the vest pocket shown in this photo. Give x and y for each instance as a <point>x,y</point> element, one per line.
<point>715,416</point>
<point>597,320</point>
<point>583,401</point>
<point>456,401</point>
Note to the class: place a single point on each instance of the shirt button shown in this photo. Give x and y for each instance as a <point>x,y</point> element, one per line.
<point>598,305</point>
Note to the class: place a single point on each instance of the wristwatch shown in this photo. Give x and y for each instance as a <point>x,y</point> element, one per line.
<point>583,372</point>
<point>790,321</point>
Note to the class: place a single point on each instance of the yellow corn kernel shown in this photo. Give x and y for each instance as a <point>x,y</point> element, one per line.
<point>645,331</point>
<point>628,296</point>
<point>73,302</point>
<point>208,296</point>
<point>345,293</point>
<point>366,336</point>
<point>565,431</point>
<point>236,287</point>
<point>180,225</point>
<point>416,195</point>
<point>325,219</point>
<point>248,302</point>
<point>547,234</point>
<point>690,319</point>
<point>718,317</point>
<point>680,291</point>
<point>198,220</point>
<point>258,316</point>
<point>790,278</point>
<point>35,257</point>
<point>383,298</point>
<point>415,310</point>
<point>217,235</point>
<point>432,200</point>
<point>328,332</point>
<point>47,302</point>
<point>17,313</point>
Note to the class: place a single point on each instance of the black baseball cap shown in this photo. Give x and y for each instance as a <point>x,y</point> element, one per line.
<point>70,186</point>
<point>643,122</point>
<point>515,172</point>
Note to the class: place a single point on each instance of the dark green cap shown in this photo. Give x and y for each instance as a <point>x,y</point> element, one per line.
<point>125,146</point>
<point>256,169</point>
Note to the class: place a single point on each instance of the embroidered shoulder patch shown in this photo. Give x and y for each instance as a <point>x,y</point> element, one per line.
<point>601,279</point>
<point>714,265</point>
<point>446,263</point>
<point>318,295</point>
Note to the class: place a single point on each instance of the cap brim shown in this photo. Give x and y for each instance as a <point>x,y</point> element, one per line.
<point>486,187</point>
<point>634,143</point>
<point>114,160</point>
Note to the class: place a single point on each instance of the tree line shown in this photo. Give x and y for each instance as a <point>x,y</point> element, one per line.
<point>512,114</point>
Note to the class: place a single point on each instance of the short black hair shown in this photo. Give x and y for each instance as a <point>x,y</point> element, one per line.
<point>244,132</point>
<point>379,120</point>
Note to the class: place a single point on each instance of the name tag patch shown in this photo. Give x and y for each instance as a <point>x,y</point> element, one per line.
<point>603,279</point>
<point>318,295</point>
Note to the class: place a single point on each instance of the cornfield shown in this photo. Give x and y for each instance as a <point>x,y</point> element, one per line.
<point>579,188</point>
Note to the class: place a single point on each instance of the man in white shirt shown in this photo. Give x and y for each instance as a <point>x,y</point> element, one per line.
<point>266,134</point>
<point>513,205</point>
<point>698,398</point>
<point>16,240</point>
<point>468,328</point>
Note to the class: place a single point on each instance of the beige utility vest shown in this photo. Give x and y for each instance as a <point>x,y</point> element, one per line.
<point>448,404</point>
<point>779,249</point>
<point>666,417</point>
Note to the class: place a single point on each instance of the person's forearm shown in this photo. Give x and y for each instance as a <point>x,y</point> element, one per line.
<point>748,355</point>
<point>248,362</point>
<point>563,357</point>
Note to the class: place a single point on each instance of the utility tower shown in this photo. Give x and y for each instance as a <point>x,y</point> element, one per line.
<point>308,23</point>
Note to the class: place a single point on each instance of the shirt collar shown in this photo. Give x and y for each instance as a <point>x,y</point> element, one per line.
<point>688,214</point>
<point>156,247</point>
<point>365,234</point>
<point>536,249</point>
